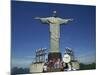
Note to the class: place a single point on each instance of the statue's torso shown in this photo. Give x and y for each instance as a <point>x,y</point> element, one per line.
<point>54,20</point>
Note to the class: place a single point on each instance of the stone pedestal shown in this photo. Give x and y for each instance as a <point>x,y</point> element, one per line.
<point>54,55</point>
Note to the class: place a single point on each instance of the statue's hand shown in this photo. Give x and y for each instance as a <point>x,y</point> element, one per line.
<point>70,19</point>
<point>37,18</point>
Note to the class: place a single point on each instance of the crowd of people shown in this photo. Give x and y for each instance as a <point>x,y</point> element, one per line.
<point>53,65</point>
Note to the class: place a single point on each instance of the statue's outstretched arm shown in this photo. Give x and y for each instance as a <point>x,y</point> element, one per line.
<point>70,19</point>
<point>43,20</point>
<point>37,18</point>
<point>66,21</point>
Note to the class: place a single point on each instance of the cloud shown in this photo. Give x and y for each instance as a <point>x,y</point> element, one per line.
<point>87,58</point>
<point>21,62</point>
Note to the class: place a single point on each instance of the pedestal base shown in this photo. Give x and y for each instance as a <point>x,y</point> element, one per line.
<point>54,55</point>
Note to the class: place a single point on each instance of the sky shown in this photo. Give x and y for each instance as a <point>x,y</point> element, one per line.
<point>29,34</point>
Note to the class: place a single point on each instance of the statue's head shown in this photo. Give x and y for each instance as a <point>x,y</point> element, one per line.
<point>54,13</point>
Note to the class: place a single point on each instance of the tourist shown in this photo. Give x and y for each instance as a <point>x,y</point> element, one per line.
<point>45,68</point>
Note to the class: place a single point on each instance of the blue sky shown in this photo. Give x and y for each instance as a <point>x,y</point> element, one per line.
<point>29,34</point>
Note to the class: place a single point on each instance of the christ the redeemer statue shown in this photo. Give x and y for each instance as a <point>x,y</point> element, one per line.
<point>54,23</point>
